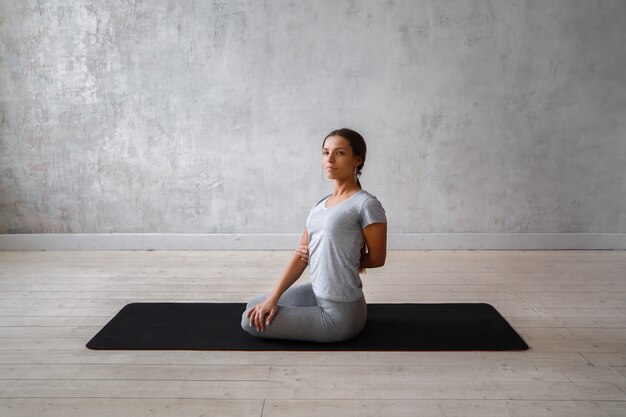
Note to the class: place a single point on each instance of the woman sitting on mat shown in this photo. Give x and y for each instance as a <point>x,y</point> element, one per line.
<point>332,306</point>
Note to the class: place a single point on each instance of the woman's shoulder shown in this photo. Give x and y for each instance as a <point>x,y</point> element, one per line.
<point>369,200</point>
<point>366,195</point>
<point>372,211</point>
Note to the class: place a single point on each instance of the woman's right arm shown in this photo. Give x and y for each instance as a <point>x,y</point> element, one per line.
<point>292,272</point>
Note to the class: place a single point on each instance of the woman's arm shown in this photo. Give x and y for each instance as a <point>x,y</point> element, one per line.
<point>292,272</point>
<point>376,239</point>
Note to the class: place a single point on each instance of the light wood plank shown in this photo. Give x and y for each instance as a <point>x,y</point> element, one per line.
<point>437,408</point>
<point>129,407</point>
<point>130,372</point>
<point>313,389</point>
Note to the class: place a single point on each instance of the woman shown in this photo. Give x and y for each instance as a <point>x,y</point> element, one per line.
<point>332,306</point>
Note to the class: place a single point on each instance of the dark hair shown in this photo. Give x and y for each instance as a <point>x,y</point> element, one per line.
<point>357,143</point>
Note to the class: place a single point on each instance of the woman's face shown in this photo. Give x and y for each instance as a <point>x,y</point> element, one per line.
<point>338,160</point>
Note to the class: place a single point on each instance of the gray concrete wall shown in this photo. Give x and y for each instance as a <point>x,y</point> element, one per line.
<point>208,117</point>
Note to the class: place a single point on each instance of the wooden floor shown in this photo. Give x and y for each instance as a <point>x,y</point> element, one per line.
<point>569,306</point>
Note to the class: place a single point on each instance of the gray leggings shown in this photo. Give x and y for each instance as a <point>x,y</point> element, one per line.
<point>302,315</point>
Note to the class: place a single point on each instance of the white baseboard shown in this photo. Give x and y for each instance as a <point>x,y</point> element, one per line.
<point>395,241</point>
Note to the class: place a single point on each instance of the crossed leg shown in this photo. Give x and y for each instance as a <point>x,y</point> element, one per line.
<point>298,317</point>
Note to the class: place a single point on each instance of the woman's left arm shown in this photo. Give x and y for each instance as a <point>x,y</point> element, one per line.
<point>375,236</point>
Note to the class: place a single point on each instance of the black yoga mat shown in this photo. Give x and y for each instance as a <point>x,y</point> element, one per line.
<point>389,327</point>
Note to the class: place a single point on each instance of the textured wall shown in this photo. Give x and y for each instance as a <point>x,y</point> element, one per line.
<point>199,117</point>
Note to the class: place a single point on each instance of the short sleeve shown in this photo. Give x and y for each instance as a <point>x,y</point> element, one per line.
<point>372,212</point>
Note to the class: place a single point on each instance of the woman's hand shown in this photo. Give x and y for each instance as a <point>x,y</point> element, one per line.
<point>303,251</point>
<point>361,269</point>
<point>257,314</point>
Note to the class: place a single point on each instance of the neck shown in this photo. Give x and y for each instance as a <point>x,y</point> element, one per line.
<point>345,187</point>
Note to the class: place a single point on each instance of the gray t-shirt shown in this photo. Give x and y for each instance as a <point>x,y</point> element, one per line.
<point>335,242</point>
